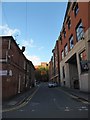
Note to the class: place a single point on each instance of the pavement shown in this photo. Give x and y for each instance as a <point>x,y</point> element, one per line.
<point>76,92</point>
<point>20,98</point>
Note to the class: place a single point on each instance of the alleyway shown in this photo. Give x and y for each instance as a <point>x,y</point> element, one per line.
<point>49,103</point>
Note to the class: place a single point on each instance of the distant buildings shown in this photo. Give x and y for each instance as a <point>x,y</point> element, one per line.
<point>54,67</point>
<point>43,64</point>
<point>41,72</point>
<point>70,63</point>
<point>17,72</point>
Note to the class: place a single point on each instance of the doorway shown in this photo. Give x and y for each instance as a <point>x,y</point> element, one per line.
<point>73,72</point>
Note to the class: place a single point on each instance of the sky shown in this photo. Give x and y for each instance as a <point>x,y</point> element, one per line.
<point>35,25</point>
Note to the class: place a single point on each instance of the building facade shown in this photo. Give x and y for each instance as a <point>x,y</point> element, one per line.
<point>54,68</point>
<point>75,46</point>
<point>15,70</point>
<point>51,73</point>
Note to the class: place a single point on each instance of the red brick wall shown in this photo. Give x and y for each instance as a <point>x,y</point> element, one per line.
<point>82,14</point>
<point>15,63</point>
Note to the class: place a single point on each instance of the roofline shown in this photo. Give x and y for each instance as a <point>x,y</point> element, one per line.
<point>6,36</point>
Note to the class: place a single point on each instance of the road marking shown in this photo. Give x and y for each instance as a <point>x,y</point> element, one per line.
<point>23,104</point>
<point>33,110</point>
<point>67,110</point>
<point>34,104</point>
<point>80,109</point>
<point>83,107</point>
<point>21,110</point>
<point>54,99</point>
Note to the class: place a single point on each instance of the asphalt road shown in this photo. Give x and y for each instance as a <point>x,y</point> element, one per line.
<point>49,103</point>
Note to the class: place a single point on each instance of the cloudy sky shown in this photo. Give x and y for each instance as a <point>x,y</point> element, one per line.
<point>36,25</point>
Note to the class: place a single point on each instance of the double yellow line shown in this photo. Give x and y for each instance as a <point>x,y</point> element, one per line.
<point>73,96</point>
<point>22,104</point>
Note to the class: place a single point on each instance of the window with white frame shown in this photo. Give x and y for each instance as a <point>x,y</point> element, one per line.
<point>80,31</point>
<point>76,9</point>
<point>71,42</point>
<point>66,49</point>
<point>62,53</point>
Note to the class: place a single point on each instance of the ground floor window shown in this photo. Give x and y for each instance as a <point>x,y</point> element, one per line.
<point>83,61</point>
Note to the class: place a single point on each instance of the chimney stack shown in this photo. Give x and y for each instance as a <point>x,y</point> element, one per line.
<point>23,48</point>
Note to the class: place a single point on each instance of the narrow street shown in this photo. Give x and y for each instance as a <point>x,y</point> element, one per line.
<point>49,103</point>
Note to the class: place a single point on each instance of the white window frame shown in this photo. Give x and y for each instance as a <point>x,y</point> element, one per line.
<point>66,49</point>
<point>71,41</point>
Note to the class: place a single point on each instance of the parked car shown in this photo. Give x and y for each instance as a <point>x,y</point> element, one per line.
<point>52,85</point>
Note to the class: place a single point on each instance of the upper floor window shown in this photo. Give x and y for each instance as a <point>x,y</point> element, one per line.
<point>62,53</point>
<point>69,24</point>
<point>60,38</point>
<point>76,9</point>
<point>71,42</point>
<point>64,32</point>
<point>24,64</point>
<point>80,31</point>
<point>66,49</point>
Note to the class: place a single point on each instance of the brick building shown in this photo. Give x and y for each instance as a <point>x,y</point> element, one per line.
<point>16,69</point>
<point>75,46</point>
<point>51,69</point>
<point>54,67</point>
<point>44,64</point>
